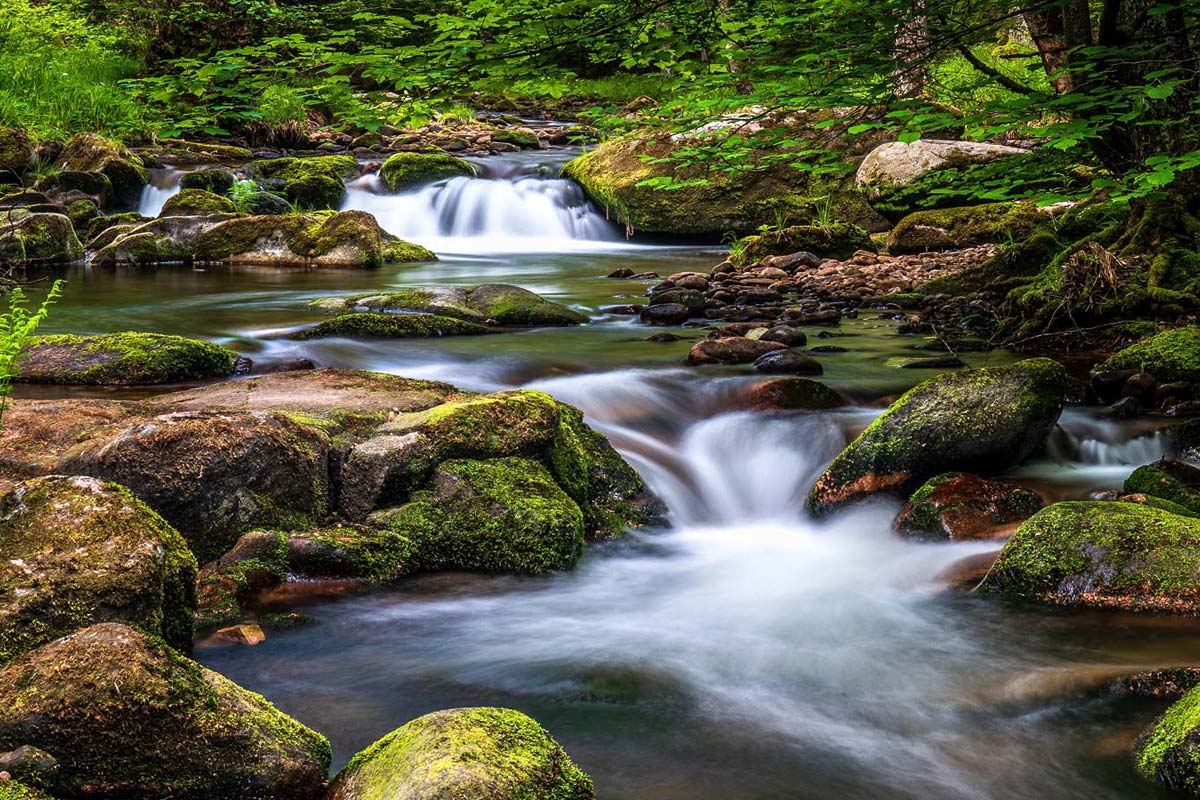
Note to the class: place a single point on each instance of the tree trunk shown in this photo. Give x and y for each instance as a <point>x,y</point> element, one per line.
<point>1056,30</point>
<point>911,52</point>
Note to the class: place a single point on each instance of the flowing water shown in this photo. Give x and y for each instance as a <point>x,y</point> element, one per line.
<point>745,651</point>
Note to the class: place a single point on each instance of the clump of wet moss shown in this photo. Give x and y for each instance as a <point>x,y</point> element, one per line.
<point>39,238</point>
<point>840,240</point>
<point>493,303</point>
<point>391,326</point>
<point>404,171</point>
<point>1172,355</point>
<point>1174,481</point>
<point>123,359</point>
<point>956,228</point>
<point>195,202</point>
<point>1168,752</point>
<point>316,182</point>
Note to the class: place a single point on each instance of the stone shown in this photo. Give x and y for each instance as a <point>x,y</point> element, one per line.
<point>406,171</point>
<point>666,314</point>
<point>729,350</point>
<point>123,359</point>
<point>38,238</point>
<point>899,164</point>
<point>958,506</point>
<point>790,394</point>
<point>786,362</point>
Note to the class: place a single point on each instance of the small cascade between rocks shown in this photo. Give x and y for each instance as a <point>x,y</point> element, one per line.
<point>513,206</point>
<point>163,185</point>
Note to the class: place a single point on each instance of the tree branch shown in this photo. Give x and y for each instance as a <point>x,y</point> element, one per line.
<point>993,73</point>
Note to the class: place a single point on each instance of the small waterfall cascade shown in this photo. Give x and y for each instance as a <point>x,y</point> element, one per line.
<point>163,185</point>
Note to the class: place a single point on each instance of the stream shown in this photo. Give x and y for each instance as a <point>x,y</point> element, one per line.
<point>745,652</point>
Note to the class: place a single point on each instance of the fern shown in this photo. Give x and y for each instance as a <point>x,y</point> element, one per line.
<point>17,325</point>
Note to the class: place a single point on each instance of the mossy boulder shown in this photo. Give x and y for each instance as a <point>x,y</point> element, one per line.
<point>620,175</point>
<point>524,138</point>
<point>983,420</point>
<point>75,551</point>
<point>215,475</point>
<point>1168,752</point>
<point>476,753</point>
<point>1172,355</point>
<point>82,212</point>
<point>840,241</point>
<point>16,155</point>
<point>38,238</point>
<point>191,202</point>
<point>217,181</point>
<point>958,506</point>
<point>492,303</point>
<point>1174,481</point>
<point>404,171</point>
<point>126,716</point>
<point>123,359</point>
<point>182,151</point>
<point>1102,554</point>
<point>391,326</point>
<point>345,239</point>
<point>88,152</point>
<point>957,228</point>
<point>317,182</point>
<point>163,240</point>
<point>493,515</point>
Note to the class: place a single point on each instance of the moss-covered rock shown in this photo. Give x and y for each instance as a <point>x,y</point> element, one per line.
<point>521,137</point>
<point>182,151</point>
<point>126,716</point>
<point>16,155</point>
<point>957,228</point>
<point>75,551</point>
<point>82,212</point>
<point>1172,355</point>
<point>960,506</point>
<point>404,171</point>
<point>491,303</point>
<point>88,152</point>
<point>391,326</point>
<point>38,238</point>
<point>1174,481</point>
<point>840,241</point>
<point>123,359</point>
<point>318,182</point>
<point>345,239</point>
<point>191,202</point>
<point>1168,752</point>
<point>476,753</point>
<point>981,420</point>
<point>99,225</point>
<point>494,515</point>
<point>713,203</point>
<point>157,241</point>
<point>214,475</point>
<point>16,790</point>
<point>1102,554</point>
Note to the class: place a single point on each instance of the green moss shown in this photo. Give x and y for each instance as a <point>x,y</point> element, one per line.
<point>1102,554</point>
<point>16,155</point>
<point>1173,481</point>
<point>15,790</point>
<point>1169,356</point>
<point>956,228</point>
<point>523,139</point>
<point>195,202</point>
<point>496,515</point>
<point>401,252</point>
<point>123,359</point>
<point>975,421</point>
<point>181,150</point>
<point>404,171</point>
<point>370,554</point>
<point>391,326</point>
<point>317,182</point>
<point>39,238</point>
<point>101,224</point>
<point>88,152</point>
<point>477,753</point>
<point>492,303</point>
<point>514,306</point>
<point>1168,751</point>
<point>956,505</point>
<point>82,212</point>
<point>839,240</point>
<point>76,551</point>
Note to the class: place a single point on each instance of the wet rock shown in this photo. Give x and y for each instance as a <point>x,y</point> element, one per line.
<point>899,164</point>
<point>38,238</point>
<point>215,475</point>
<point>247,635</point>
<point>1169,356</point>
<point>1168,752</point>
<point>1182,441</point>
<point>87,152</point>
<point>958,506</point>
<point>1140,385</point>
<point>981,420</point>
<point>837,241</point>
<point>316,183</point>
<point>391,326</point>
<point>16,155</point>
<point>785,335</point>
<point>480,753</point>
<point>216,181</point>
<point>690,299</point>
<point>1107,384</point>
<point>829,316</point>
<point>827,349</point>
<point>790,394</point>
<point>666,314</point>
<point>1175,481</point>
<point>959,228</point>
<point>30,766</point>
<point>663,338</point>
<point>75,551</point>
<point>786,362</point>
<point>127,717</point>
<point>194,202</point>
<point>623,272</point>
<point>123,359</point>
<point>730,350</point>
<point>1125,408</point>
<point>1102,554</point>
<point>1156,683</point>
<point>941,362</point>
<point>491,303</point>
<point>404,171</point>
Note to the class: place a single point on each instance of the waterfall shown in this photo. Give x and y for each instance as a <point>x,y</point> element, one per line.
<point>163,185</point>
<point>526,212</point>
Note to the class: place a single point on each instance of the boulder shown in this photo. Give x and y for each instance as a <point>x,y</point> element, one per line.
<point>898,164</point>
<point>1102,554</point>
<point>123,359</point>
<point>493,515</point>
<point>620,175</point>
<point>666,314</point>
<point>216,181</point>
<point>195,202</point>
<point>316,183</point>
<point>1172,355</point>
<point>730,350</point>
<point>958,506</point>
<point>214,475</point>
<point>182,151</point>
<point>391,326</point>
<point>157,241</point>
<point>405,171</point>
<point>786,362</point>
<point>16,155</point>
<point>790,394</point>
<point>476,753</point>
<point>1168,752</point>
<point>839,241</point>
<point>126,716</point>
<point>491,303</point>
<point>38,238</point>
<point>88,152</point>
<point>959,228</point>
<point>524,138</point>
<point>1173,481</point>
<point>983,420</point>
<point>75,551</point>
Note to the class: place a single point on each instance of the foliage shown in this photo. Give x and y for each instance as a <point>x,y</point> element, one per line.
<point>17,326</point>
